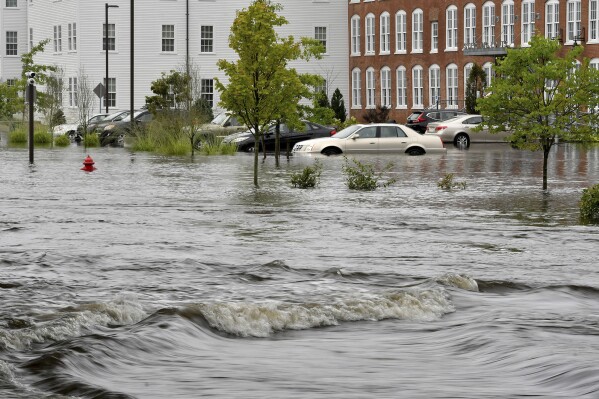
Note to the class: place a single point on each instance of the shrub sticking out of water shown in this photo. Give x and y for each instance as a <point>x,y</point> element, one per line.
<point>42,136</point>
<point>447,183</point>
<point>213,145</point>
<point>309,177</point>
<point>91,140</point>
<point>589,205</point>
<point>62,141</point>
<point>18,136</point>
<point>362,176</point>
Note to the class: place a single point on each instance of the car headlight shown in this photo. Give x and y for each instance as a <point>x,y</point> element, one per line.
<point>109,127</point>
<point>239,139</point>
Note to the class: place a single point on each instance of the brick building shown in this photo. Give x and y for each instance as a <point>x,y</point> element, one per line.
<point>410,55</point>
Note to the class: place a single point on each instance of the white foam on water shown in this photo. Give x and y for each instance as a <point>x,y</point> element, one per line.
<point>458,281</point>
<point>261,320</point>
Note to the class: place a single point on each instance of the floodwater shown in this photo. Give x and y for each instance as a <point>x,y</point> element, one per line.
<point>157,277</point>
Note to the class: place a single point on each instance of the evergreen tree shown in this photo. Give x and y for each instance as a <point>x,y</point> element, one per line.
<point>338,105</point>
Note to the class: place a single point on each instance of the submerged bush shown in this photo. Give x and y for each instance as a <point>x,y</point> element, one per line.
<point>589,205</point>
<point>309,177</point>
<point>213,145</point>
<point>42,136</point>
<point>362,176</point>
<point>18,136</point>
<point>91,140</point>
<point>447,182</point>
<point>62,141</point>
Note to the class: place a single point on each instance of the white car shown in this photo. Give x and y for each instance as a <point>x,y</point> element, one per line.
<point>372,138</point>
<point>461,131</point>
<point>71,128</point>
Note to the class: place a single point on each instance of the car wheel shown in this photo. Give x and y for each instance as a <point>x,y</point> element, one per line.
<point>461,140</point>
<point>249,149</point>
<point>415,151</point>
<point>121,139</point>
<point>331,151</point>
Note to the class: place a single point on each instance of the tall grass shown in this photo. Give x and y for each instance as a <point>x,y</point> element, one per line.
<point>20,135</point>
<point>91,140</point>
<point>62,141</point>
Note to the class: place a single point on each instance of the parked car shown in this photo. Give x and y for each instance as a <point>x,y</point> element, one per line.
<point>460,131</point>
<point>115,132</point>
<point>288,136</point>
<point>224,122</point>
<point>99,125</point>
<point>372,138</point>
<point>420,120</point>
<point>71,128</point>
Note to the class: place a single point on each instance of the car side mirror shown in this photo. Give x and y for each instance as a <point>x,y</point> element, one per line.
<point>356,136</point>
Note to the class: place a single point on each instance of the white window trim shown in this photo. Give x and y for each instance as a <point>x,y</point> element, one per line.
<point>434,49</point>
<point>593,30</point>
<point>417,87</point>
<point>370,88</point>
<point>404,88</point>
<point>569,39</point>
<point>385,32</point>
<point>327,30</point>
<point>356,89</point>
<point>453,45</point>
<point>174,52</point>
<point>369,33</point>
<point>386,85</point>
<point>355,36</point>
<point>417,35</point>
<point>401,31</point>
<point>488,24</point>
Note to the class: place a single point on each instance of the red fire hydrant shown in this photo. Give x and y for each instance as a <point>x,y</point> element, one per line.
<point>88,164</point>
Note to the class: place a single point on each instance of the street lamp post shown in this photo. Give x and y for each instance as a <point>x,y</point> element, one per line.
<point>107,6</point>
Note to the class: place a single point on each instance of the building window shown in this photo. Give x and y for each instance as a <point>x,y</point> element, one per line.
<point>434,37</point>
<point>386,87</point>
<point>593,64</point>
<point>207,91</point>
<point>206,39</point>
<point>168,38</point>
<point>11,82</point>
<point>72,37</point>
<point>402,87</point>
<point>489,24</point>
<point>488,68</point>
<point>73,92</point>
<point>417,31</point>
<point>552,19</point>
<point>573,23</point>
<point>470,25</point>
<point>110,36</point>
<point>11,3</point>
<point>30,38</point>
<point>467,70</point>
<point>110,98</point>
<point>11,43</point>
<point>385,33</point>
<point>594,20</point>
<point>370,88</point>
<point>57,38</point>
<point>321,87</point>
<point>434,84</point>
<point>356,89</point>
<point>452,28</point>
<point>507,23</point>
<point>401,31</point>
<point>528,21</point>
<point>451,78</point>
<point>320,34</point>
<point>355,35</point>
<point>417,87</point>
<point>370,34</point>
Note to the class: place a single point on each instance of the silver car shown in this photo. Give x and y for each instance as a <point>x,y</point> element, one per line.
<point>461,131</point>
<point>372,139</point>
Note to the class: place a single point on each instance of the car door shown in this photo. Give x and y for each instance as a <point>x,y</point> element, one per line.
<point>392,139</point>
<point>469,124</point>
<point>364,140</point>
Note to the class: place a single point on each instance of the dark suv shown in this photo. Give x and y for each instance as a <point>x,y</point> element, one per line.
<point>418,120</point>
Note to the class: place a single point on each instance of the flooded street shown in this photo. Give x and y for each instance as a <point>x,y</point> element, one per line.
<point>156,277</point>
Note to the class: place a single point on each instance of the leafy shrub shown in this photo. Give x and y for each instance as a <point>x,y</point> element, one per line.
<point>589,205</point>
<point>212,144</point>
<point>18,136</point>
<point>362,176</point>
<point>58,118</point>
<point>309,177</point>
<point>447,183</point>
<point>62,141</point>
<point>42,136</point>
<point>91,140</point>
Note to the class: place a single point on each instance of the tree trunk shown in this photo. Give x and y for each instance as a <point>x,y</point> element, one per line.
<point>546,149</point>
<point>277,144</point>
<point>256,161</point>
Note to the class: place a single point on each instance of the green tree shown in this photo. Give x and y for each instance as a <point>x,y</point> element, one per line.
<point>338,105</point>
<point>541,97</point>
<point>261,88</point>
<point>10,103</point>
<point>380,114</point>
<point>475,87</point>
<point>42,73</point>
<point>171,91</point>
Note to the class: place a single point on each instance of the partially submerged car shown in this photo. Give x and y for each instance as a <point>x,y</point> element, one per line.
<point>71,129</point>
<point>114,133</point>
<point>462,131</point>
<point>373,138</point>
<point>288,136</point>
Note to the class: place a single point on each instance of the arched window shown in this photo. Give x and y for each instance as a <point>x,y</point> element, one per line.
<point>552,19</point>
<point>469,24</point>
<point>593,21</point>
<point>488,68</point>
<point>451,21</point>
<point>370,34</point>
<point>402,87</point>
<point>417,30</point>
<point>573,22</point>
<point>489,24</point>
<point>434,84</point>
<point>370,88</point>
<point>528,21</point>
<point>385,33</point>
<point>507,23</point>
<point>417,87</point>
<point>401,31</point>
<point>386,87</point>
<point>467,69</point>
<point>355,35</point>
<point>356,88</point>
<point>451,81</point>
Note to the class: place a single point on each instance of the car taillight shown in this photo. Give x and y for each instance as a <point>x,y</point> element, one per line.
<point>438,128</point>
<point>421,119</point>
<point>333,132</point>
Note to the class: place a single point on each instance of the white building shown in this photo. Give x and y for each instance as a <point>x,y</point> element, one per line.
<point>162,41</point>
<point>13,34</point>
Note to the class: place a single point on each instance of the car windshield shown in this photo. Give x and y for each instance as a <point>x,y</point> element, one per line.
<point>348,131</point>
<point>414,116</point>
<point>220,119</point>
<point>113,115</point>
<point>454,119</point>
<point>135,115</point>
<point>96,118</point>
